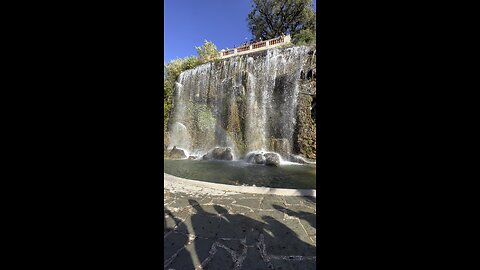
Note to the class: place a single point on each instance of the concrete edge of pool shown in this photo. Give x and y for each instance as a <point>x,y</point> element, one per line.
<point>170,181</point>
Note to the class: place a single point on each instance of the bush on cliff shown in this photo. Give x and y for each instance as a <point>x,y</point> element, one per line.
<point>206,53</point>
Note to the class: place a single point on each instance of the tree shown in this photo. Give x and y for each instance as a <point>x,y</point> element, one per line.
<point>305,37</point>
<point>207,52</point>
<point>270,18</point>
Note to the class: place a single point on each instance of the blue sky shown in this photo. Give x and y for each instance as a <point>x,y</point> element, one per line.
<point>189,22</point>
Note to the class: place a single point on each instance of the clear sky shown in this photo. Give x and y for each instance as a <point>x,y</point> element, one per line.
<point>189,22</point>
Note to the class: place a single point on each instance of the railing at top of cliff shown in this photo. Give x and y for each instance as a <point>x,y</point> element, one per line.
<point>255,47</point>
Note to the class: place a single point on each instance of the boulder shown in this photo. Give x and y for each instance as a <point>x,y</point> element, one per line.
<point>227,154</point>
<point>176,153</point>
<point>249,158</point>
<point>192,157</point>
<point>255,158</point>
<point>217,153</point>
<point>272,159</point>
<point>220,153</point>
<point>258,159</point>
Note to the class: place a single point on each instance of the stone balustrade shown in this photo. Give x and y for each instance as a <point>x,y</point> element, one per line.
<point>255,47</point>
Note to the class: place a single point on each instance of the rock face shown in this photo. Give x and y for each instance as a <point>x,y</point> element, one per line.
<point>272,159</point>
<point>165,143</point>
<point>244,102</point>
<point>305,131</point>
<point>219,153</point>
<point>280,146</point>
<point>176,153</point>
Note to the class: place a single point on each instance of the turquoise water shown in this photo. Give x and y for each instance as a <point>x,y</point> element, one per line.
<point>242,173</point>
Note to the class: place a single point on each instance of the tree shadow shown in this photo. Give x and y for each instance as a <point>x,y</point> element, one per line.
<point>311,218</point>
<point>311,198</point>
<point>226,240</point>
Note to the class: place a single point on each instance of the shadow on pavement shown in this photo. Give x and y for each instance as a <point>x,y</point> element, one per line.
<point>310,198</point>
<point>309,217</point>
<point>175,245</point>
<point>282,241</point>
<point>226,240</point>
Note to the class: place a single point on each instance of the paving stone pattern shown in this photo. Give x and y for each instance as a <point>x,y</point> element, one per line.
<point>240,231</point>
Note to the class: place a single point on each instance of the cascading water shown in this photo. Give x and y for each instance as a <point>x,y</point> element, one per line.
<point>247,103</point>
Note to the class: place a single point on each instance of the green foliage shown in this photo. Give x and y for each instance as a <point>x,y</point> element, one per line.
<point>167,101</point>
<point>286,45</point>
<point>190,62</point>
<point>305,37</point>
<point>208,52</point>
<point>177,66</point>
<point>270,18</point>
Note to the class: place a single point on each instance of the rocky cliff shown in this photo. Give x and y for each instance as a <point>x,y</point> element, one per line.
<point>260,101</point>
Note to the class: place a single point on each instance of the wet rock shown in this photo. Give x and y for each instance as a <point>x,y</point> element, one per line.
<point>219,153</point>
<point>272,159</point>
<point>227,155</point>
<point>176,153</point>
<point>304,142</point>
<point>297,159</point>
<point>192,157</point>
<point>312,74</point>
<point>259,159</point>
<point>255,158</point>
<point>280,146</point>
<point>249,158</point>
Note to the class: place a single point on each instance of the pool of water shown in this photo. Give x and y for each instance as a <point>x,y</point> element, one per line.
<point>242,173</point>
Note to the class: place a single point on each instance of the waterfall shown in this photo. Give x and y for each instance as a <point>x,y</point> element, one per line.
<point>247,103</point>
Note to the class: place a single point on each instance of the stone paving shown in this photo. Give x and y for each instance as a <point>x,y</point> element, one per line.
<point>238,231</point>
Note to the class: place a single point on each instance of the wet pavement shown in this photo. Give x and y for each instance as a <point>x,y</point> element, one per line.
<point>238,231</point>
